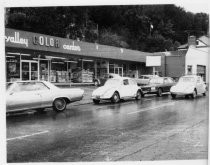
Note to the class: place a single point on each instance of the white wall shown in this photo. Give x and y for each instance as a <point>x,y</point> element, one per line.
<point>197,56</point>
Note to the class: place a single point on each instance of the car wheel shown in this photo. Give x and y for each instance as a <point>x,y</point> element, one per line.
<point>204,94</point>
<point>138,95</point>
<point>115,98</point>
<point>96,101</point>
<point>194,94</point>
<point>96,83</point>
<point>59,104</point>
<point>173,96</point>
<point>159,93</point>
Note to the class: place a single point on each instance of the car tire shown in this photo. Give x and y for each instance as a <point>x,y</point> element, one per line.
<point>59,104</point>
<point>138,95</point>
<point>96,83</point>
<point>96,101</point>
<point>173,96</point>
<point>194,94</point>
<point>159,92</point>
<point>115,98</point>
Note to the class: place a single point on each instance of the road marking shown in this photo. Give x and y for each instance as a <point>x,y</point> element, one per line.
<point>152,108</point>
<point>21,137</point>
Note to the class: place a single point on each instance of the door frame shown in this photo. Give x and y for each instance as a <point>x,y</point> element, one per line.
<point>29,61</point>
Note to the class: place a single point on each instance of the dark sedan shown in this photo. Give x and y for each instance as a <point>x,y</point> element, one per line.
<point>158,86</point>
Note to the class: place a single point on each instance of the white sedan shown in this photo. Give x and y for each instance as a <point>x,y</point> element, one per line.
<point>190,85</point>
<point>25,95</point>
<point>117,88</point>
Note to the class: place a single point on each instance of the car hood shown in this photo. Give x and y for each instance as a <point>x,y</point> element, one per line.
<point>102,90</point>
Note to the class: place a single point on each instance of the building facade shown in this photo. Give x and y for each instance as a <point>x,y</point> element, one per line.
<point>193,59</point>
<point>33,56</point>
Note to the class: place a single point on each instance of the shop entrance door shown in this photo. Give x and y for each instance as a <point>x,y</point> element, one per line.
<point>118,70</point>
<point>29,70</point>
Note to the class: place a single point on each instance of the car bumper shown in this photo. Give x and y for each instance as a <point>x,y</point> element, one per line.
<point>99,98</point>
<point>181,93</point>
<point>149,91</point>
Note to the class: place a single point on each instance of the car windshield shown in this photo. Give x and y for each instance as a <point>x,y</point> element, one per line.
<point>8,85</point>
<point>187,79</point>
<point>156,81</point>
<point>112,82</point>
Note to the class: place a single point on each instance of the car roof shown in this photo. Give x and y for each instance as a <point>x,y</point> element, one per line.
<point>121,78</point>
<point>149,75</point>
<point>26,81</point>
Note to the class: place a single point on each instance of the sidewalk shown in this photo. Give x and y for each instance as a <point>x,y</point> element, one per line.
<point>87,95</point>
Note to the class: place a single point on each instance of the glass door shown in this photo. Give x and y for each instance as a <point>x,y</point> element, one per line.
<point>29,70</point>
<point>118,70</point>
<point>34,71</point>
<point>25,71</point>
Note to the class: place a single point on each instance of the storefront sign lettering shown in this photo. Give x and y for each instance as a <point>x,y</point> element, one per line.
<point>72,47</point>
<point>45,41</point>
<point>17,39</point>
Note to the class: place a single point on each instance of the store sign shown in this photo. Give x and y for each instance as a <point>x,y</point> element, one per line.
<point>153,60</point>
<point>17,39</point>
<point>45,41</point>
<point>72,47</point>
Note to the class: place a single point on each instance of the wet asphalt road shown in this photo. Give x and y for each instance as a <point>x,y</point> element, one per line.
<point>150,129</point>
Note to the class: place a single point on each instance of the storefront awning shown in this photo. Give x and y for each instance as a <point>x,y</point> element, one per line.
<point>39,42</point>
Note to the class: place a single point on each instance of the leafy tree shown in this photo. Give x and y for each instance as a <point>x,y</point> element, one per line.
<point>124,26</point>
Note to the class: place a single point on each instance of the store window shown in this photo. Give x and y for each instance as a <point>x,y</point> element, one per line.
<point>12,67</point>
<point>87,71</point>
<point>44,70</point>
<point>58,72</point>
<point>101,68</point>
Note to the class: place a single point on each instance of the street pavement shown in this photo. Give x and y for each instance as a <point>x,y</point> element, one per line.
<point>154,128</point>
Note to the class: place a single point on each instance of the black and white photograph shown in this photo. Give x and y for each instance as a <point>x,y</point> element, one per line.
<point>105,82</point>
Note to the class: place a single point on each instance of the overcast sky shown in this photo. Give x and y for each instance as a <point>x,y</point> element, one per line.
<point>195,7</point>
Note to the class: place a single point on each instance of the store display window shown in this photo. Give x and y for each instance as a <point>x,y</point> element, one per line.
<point>12,67</point>
<point>44,70</point>
<point>59,72</point>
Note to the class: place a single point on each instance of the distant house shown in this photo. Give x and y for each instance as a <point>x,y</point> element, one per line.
<point>190,58</point>
<point>202,41</point>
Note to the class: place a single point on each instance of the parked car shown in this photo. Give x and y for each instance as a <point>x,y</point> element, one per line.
<point>25,95</point>
<point>117,88</point>
<point>101,80</point>
<point>190,85</point>
<point>158,85</point>
<point>144,79</point>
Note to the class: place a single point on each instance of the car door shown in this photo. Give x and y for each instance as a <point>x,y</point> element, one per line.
<point>168,83</point>
<point>133,87</point>
<point>23,97</point>
<point>124,88</point>
<point>45,93</point>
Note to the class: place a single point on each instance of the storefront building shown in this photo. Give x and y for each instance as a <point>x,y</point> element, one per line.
<point>32,56</point>
<point>193,61</point>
